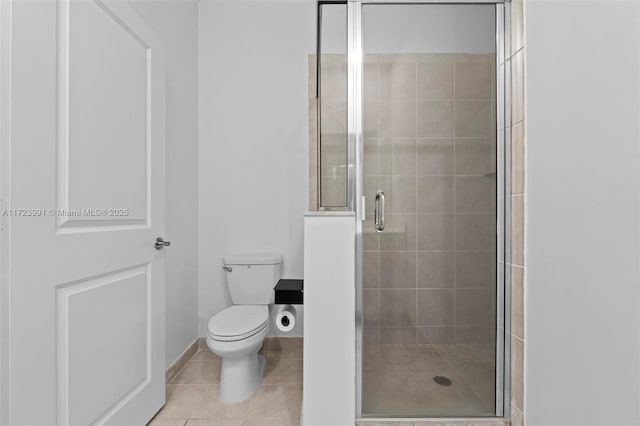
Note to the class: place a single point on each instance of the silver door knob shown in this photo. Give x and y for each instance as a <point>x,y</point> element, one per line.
<point>160,243</point>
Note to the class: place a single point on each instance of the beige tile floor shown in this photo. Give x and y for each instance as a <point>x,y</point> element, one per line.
<point>191,394</point>
<point>398,380</point>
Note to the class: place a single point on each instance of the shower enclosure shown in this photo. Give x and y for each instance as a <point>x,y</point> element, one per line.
<point>407,101</point>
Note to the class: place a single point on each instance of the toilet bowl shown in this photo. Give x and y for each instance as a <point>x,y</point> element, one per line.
<point>236,335</point>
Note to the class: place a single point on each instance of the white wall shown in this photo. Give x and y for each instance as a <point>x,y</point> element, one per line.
<point>414,28</point>
<point>583,247</point>
<point>253,135</point>
<point>329,344</point>
<point>176,21</point>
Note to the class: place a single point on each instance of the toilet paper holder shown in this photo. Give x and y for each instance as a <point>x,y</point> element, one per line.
<point>289,292</point>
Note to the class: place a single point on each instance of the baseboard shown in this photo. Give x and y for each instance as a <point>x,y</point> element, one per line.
<point>182,359</point>
<point>202,344</point>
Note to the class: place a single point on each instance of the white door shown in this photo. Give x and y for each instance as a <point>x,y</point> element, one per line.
<point>87,163</point>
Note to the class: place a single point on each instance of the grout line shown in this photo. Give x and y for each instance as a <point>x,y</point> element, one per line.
<point>521,48</point>
<point>198,403</point>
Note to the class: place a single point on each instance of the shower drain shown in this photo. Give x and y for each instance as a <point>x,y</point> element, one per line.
<point>442,381</point>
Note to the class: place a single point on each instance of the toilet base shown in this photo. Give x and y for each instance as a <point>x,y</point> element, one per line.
<point>240,377</point>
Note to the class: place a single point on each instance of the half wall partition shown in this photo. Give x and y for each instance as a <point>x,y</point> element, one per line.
<point>409,107</point>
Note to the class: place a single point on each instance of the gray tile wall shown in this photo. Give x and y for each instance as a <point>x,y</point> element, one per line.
<point>429,141</point>
<point>516,198</point>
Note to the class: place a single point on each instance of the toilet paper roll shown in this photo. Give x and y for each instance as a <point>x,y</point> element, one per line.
<point>286,318</point>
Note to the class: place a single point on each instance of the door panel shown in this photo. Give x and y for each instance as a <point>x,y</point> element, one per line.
<point>87,156</point>
<point>429,277</point>
<point>86,322</point>
<point>103,115</point>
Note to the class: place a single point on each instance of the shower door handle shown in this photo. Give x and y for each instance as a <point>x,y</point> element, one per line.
<point>379,214</point>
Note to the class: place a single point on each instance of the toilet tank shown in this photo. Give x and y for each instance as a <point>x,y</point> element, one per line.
<point>251,278</point>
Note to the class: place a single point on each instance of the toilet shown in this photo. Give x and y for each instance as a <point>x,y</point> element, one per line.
<point>236,334</point>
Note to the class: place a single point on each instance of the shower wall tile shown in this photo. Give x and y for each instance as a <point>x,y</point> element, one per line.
<point>370,238</point>
<point>435,194</point>
<point>403,194</point>
<point>313,156</point>
<point>370,77</point>
<point>517,87</point>
<point>371,157</point>
<point>517,416</point>
<point>397,118</point>
<point>370,336</point>
<point>473,156</point>
<point>401,232</point>
<point>334,155</point>
<point>517,230</point>
<point>398,270</point>
<point>403,157</point>
<point>473,57</point>
<point>473,80</point>
<point>397,307</point>
<point>474,269</point>
<point>397,335</point>
<point>435,81</point>
<point>473,119</point>
<point>332,58</point>
<point>517,369</point>
<point>370,275</point>
<point>311,83</point>
<point>473,306</point>
<point>436,269</point>
<point>333,117</point>
<point>474,334</point>
<point>384,152</point>
<point>435,119</point>
<point>400,58</point>
<point>475,194</point>
<point>334,81</point>
<point>517,25</point>
<point>370,125</point>
<point>397,80</point>
<point>333,191</point>
<point>517,301</point>
<point>434,156</point>
<point>435,231</point>
<point>370,186</point>
<point>435,335</point>
<point>370,307</point>
<point>474,231</point>
<point>517,158</point>
<point>373,58</point>
<point>435,307</point>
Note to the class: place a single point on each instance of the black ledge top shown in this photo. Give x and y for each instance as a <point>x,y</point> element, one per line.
<point>290,285</point>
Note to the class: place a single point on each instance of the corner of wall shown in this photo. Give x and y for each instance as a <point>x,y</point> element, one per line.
<point>518,213</point>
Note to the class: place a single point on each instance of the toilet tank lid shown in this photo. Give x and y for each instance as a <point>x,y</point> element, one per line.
<point>253,259</point>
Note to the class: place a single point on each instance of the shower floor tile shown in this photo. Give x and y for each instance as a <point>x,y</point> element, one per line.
<point>192,393</point>
<point>398,380</point>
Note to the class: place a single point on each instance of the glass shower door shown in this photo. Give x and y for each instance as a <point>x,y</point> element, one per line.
<point>429,277</point>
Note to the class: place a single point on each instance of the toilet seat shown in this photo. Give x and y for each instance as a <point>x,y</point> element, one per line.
<point>238,322</point>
